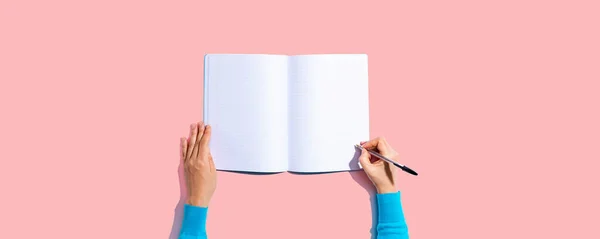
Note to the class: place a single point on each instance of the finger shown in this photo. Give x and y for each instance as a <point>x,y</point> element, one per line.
<point>371,144</point>
<point>206,138</point>
<point>192,141</point>
<point>198,137</point>
<point>183,146</point>
<point>212,163</point>
<point>364,158</point>
<point>378,143</point>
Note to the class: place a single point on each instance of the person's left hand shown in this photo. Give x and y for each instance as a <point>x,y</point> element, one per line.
<point>200,171</point>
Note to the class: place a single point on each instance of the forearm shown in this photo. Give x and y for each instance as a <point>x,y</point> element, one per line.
<point>193,225</point>
<point>391,223</point>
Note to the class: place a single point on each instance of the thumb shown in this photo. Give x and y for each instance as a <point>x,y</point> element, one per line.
<point>364,158</point>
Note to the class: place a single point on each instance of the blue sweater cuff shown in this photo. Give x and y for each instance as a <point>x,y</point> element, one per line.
<point>194,220</point>
<point>390,207</point>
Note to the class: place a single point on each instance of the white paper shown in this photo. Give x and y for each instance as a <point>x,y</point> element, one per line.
<point>329,111</point>
<point>246,105</point>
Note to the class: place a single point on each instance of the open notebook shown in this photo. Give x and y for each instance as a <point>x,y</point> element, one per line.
<point>275,113</point>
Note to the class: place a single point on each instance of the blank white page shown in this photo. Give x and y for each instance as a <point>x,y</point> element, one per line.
<point>329,111</point>
<point>245,102</point>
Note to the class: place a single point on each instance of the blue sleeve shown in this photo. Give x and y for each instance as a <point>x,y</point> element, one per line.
<point>193,225</point>
<point>391,223</point>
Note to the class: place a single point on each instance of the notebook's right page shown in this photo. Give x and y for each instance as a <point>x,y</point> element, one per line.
<point>328,111</point>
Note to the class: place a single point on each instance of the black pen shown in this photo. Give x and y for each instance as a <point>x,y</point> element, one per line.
<point>403,167</point>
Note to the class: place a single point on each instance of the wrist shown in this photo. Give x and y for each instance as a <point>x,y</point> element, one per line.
<point>198,202</point>
<point>386,189</point>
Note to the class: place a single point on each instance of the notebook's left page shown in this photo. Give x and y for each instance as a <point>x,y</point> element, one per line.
<point>246,103</point>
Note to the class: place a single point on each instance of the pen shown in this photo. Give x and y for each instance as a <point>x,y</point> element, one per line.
<point>403,167</point>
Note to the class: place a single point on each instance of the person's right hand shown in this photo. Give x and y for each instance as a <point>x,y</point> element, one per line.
<point>381,173</point>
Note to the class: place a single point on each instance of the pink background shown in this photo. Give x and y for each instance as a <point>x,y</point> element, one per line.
<point>496,104</point>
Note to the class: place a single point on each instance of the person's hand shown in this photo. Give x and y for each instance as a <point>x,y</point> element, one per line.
<point>200,171</point>
<point>381,173</point>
